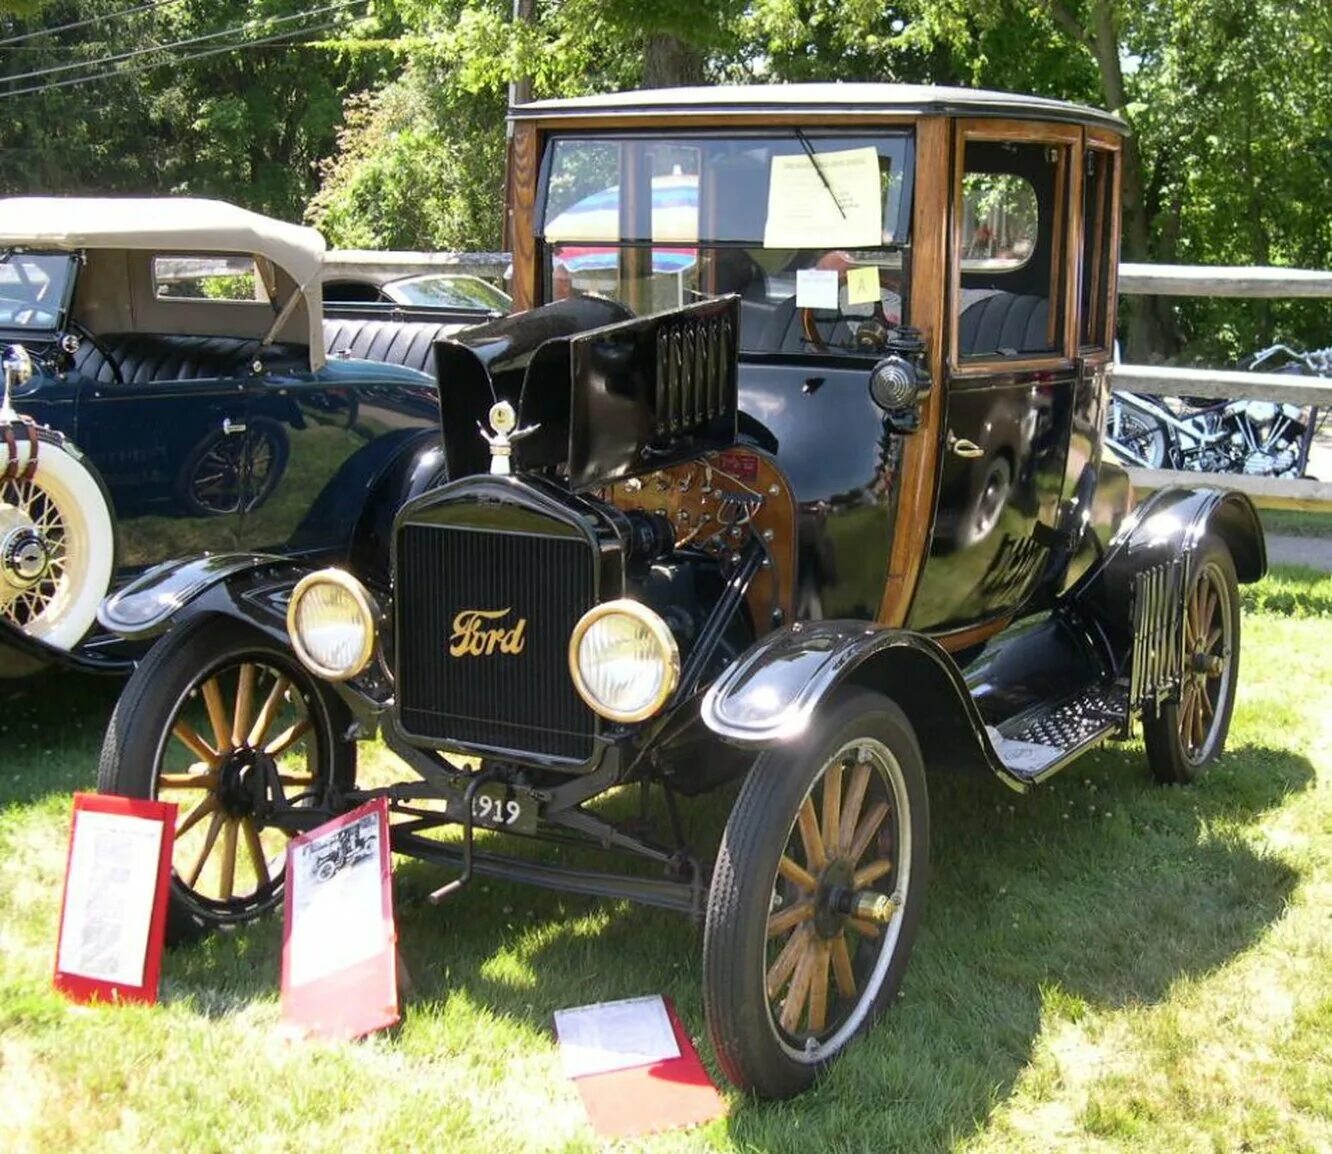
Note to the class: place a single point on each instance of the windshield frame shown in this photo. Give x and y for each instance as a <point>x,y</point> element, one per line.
<point>72,262</point>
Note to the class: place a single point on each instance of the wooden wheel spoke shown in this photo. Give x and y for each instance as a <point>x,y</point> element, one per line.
<point>240,724</point>
<point>872,873</point>
<point>256,851</point>
<point>793,873</point>
<point>1188,702</point>
<point>786,962</point>
<point>866,830</point>
<point>855,798</point>
<point>196,815</point>
<point>1212,638</point>
<point>869,929</point>
<point>832,808</point>
<point>287,738</point>
<point>192,779</point>
<point>227,882</point>
<point>210,839</point>
<point>217,714</point>
<point>794,1005</point>
<point>815,856</point>
<point>185,733</point>
<point>1205,705</point>
<point>1199,730</point>
<point>818,988</point>
<point>296,778</point>
<point>790,917</point>
<point>267,712</point>
<point>841,963</point>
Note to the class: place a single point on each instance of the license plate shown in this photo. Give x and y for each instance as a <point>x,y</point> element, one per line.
<point>502,807</point>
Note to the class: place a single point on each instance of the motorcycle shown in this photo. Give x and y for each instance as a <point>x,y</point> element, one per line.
<point>1259,438</point>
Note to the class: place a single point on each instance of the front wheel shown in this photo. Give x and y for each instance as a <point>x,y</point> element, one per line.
<point>229,726</point>
<point>816,895</point>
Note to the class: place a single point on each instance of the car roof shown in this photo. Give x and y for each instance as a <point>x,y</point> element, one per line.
<point>811,99</point>
<point>160,224</point>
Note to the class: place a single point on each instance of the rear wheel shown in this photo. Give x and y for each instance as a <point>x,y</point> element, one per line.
<point>1187,736</point>
<point>227,725</point>
<point>816,895</point>
<point>1144,436</point>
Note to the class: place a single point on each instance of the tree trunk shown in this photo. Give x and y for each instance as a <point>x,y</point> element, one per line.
<point>668,62</point>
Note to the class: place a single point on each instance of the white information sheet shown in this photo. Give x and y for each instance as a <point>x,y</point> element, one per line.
<point>109,894</point>
<point>834,204</point>
<point>337,916</point>
<point>1026,755</point>
<point>816,288</point>
<point>615,1036</point>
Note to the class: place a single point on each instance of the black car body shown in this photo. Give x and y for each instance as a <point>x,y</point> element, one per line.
<point>708,529</point>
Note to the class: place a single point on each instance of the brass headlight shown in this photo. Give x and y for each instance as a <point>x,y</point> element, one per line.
<point>331,622</point>
<point>624,660</point>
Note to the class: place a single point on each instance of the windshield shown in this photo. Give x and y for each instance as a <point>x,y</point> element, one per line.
<point>808,227</point>
<point>33,289</point>
<point>449,291</point>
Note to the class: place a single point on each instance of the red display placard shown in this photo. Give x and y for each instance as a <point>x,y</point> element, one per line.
<point>113,909</point>
<point>339,944</point>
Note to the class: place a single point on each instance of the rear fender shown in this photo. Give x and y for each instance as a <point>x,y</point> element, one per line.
<point>1169,524</point>
<point>771,694</point>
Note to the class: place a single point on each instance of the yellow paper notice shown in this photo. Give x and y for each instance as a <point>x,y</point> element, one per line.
<point>833,205</point>
<point>862,285</point>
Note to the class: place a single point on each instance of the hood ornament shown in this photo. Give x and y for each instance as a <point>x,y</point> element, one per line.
<point>502,420</point>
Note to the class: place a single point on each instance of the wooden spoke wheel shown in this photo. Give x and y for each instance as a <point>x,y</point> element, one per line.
<point>1187,736</point>
<point>230,728</point>
<point>816,895</point>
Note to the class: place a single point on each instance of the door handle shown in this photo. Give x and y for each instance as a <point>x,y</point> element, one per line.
<point>231,428</point>
<point>964,448</point>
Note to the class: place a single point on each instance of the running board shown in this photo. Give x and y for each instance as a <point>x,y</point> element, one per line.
<point>1040,742</point>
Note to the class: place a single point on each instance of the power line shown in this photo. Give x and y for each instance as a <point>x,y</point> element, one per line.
<point>281,38</point>
<point>90,20</point>
<point>248,26</point>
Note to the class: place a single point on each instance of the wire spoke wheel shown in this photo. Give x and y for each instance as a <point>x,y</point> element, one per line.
<point>231,730</point>
<point>1185,737</point>
<point>816,895</point>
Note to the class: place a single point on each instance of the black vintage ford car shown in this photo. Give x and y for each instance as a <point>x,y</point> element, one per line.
<point>813,496</point>
<point>169,394</point>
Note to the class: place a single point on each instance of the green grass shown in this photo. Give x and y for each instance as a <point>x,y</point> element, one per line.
<point>1104,965</point>
<point>1291,523</point>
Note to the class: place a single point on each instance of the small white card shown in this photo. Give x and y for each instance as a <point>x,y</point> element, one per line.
<point>615,1036</point>
<point>816,288</point>
<point>1026,755</point>
<point>109,894</point>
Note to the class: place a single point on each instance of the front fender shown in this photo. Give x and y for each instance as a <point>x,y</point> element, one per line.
<point>176,590</point>
<point>23,656</point>
<point>770,695</point>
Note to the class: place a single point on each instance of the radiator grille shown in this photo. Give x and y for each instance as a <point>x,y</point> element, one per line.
<point>517,701</point>
<point>693,370</point>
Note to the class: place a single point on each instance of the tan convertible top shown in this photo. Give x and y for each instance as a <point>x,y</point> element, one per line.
<point>178,225</point>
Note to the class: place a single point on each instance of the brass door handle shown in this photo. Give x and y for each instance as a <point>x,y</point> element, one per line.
<point>964,448</point>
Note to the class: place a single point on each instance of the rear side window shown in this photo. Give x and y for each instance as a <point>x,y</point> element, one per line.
<point>1011,235</point>
<point>1097,254</point>
<point>207,278</point>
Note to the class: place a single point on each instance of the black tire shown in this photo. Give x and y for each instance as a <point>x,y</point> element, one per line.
<point>155,747</point>
<point>1212,652</point>
<point>228,473</point>
<point>760,1048</point>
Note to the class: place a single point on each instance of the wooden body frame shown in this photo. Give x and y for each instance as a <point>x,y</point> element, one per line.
<point>935,274</point>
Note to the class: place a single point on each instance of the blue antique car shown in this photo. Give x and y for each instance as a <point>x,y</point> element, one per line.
<point>179,344</point>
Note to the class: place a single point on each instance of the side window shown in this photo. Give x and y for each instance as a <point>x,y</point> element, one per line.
<point>207,278</point>
<point>1011,236</point>
<point>1097,257</point>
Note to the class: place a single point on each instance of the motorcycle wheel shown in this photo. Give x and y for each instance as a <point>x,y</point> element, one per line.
<point>1141,434</point>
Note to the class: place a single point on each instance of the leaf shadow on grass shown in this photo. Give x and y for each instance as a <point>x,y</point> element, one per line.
<point>1100,890</point>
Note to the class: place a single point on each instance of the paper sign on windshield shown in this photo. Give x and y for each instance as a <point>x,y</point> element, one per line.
<point>833,205</point>
<point>862,285</point>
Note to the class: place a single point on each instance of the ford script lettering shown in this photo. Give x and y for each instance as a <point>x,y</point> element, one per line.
<point>477,633</point>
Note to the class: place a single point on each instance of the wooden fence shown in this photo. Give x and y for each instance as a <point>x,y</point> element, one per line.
<point>1134,280</point>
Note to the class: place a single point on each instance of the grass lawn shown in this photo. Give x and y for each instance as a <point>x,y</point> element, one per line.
<point>1106,964</point>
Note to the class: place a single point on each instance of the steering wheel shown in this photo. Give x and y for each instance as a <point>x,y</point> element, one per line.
<point>86,334</point>
<point>867,335</point>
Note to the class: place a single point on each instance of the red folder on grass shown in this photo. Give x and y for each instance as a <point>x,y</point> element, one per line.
<point>113,909</point>
<point>339,945</point>
<point>647,1099</point>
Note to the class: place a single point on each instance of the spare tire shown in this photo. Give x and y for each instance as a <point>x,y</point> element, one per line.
<point>57,540</point>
